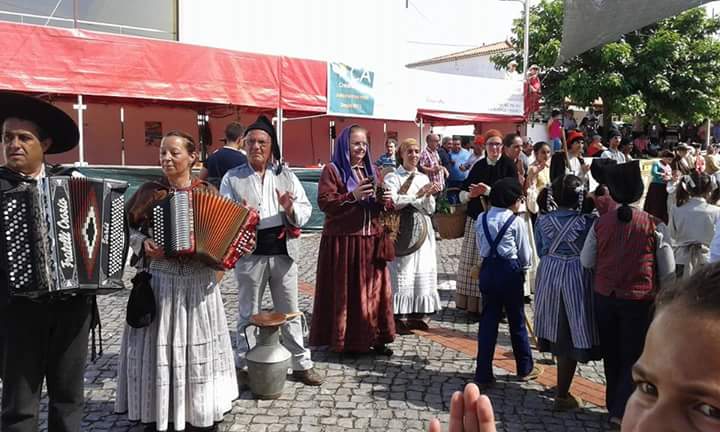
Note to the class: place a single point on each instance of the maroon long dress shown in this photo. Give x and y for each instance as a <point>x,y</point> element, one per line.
<point>353,309</point>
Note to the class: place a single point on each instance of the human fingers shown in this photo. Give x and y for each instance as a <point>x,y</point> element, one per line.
<point>485,414</point>
<point>434,426</point>
<point>471,394</point>
<point>456,412</point>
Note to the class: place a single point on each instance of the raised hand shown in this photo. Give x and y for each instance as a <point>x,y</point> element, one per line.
<point>363,191</point>
<point>477,189</point>
<point>469,412</point>
<point>286,200</point>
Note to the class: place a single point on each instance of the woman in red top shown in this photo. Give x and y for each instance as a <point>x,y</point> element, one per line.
<point>596,147</point>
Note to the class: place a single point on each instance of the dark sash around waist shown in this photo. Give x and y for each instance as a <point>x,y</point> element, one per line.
<point>269,243</point>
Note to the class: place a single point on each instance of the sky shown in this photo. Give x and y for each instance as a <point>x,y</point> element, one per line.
<point>378,34</point>
<point>441,29</point>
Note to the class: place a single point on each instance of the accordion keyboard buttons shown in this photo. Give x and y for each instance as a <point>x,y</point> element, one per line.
<point>17,233</point>
<point>158,221</point>
<point>117,236</point>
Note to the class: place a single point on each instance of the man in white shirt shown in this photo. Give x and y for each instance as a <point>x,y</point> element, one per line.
<point>613,152</point>
<point>276,193</point>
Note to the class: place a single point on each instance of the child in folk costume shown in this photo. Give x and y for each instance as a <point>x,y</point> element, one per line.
<point>414,276</point>
<point>692,226</point>
<point>630,252</point>
<point>504,245</point>
<point>564,319</point>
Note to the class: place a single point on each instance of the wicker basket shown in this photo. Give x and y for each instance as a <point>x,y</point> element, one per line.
<point>451,226</point>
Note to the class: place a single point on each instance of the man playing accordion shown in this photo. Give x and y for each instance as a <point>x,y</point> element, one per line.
<point>43,338</point>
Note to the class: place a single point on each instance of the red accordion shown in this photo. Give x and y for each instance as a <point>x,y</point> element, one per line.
<point>211,227</point>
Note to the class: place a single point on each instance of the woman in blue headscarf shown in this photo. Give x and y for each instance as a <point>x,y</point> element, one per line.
<point>353,309</point>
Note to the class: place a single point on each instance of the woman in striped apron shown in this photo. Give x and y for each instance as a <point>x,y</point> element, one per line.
<point>564,321</point>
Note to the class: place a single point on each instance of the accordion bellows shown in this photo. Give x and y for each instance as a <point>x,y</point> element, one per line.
<point>64,235</point>
<point>209,226</point>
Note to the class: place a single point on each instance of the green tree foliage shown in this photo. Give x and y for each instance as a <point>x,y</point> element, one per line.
<point>668,71</point>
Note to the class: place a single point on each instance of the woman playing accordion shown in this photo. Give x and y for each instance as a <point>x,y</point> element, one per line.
<point>180,368</point>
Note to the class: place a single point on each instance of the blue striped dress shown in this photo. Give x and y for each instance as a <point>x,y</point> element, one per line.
<point>564,317</point>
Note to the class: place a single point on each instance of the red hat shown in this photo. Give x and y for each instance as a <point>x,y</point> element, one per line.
<point>573,136</point>
<point>492,133</point>
<point>480,140</point>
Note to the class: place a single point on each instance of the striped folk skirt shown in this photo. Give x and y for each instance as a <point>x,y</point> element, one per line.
<point>564,312</point>
<point>180,369</point>
<point>467,296</point>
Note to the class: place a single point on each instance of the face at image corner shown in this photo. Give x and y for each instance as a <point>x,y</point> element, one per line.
<point>677,378</point>
<point>175,160</point>
<point>22,147</point>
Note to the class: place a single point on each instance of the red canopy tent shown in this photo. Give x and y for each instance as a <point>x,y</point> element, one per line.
<point>121,68</point>
<point>68,61</point>
<point>445,118</point>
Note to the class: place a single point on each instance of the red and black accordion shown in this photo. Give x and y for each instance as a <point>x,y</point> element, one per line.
<point>64,235</point>
<point>209,226</point>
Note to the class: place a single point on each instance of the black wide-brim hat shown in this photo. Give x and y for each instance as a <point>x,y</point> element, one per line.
<point>54,122</point>
<point>597,169</point>
<point>624,182</point>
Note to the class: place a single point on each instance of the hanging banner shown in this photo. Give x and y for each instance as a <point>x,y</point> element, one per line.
<point>465,94</point>
<point>351,90</point>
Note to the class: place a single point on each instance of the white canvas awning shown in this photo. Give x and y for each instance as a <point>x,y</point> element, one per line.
<point>591,23</point>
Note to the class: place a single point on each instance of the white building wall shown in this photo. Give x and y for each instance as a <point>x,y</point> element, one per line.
<point>476,66</point>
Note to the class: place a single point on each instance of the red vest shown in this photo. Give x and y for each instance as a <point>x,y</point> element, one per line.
<point>626,256</point>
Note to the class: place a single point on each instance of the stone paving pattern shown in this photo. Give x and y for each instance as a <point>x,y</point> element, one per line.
<point>362,392</point>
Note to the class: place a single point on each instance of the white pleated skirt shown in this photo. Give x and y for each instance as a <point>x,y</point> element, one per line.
<point>180,369</point>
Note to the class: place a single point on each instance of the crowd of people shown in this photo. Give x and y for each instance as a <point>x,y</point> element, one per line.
<point>593,262</point>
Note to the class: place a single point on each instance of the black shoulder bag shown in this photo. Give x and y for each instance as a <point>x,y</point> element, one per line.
<point>141,306</point>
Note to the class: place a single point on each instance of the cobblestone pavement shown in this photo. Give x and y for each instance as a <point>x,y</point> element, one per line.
<point>362,393</point>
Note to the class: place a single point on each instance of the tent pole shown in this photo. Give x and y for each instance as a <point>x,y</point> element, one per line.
<point>420,134</point>
<point>122,136</point>
<point>280,132</point>
<point>80,107</point>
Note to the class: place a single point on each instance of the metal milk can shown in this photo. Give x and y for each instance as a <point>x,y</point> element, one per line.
<point>268,361</point>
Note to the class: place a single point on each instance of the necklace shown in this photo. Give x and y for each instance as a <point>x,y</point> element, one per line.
<point>186,185</point>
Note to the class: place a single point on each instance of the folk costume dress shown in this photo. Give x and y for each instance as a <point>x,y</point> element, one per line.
<point>564,315</point>
<point>180,369</point>
<point>414,276</point>
<point>353,309</point>
<point>692,230</point>
<point>467,296</point>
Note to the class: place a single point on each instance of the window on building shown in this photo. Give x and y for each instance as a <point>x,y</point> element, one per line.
<point>153,19</point>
